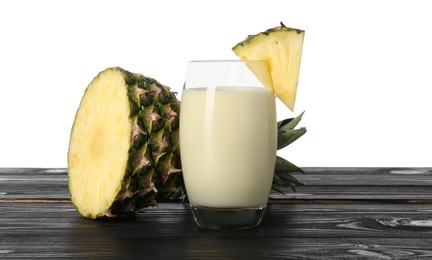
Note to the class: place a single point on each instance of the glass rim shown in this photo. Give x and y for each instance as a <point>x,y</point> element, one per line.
<point>220,61</point>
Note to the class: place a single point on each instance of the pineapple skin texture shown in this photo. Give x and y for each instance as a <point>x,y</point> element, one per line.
<point>153,167</point>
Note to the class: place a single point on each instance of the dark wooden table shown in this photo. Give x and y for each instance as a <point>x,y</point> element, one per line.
<point>342,213</point>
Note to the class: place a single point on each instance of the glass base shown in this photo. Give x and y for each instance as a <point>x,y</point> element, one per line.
<point>221,218</point>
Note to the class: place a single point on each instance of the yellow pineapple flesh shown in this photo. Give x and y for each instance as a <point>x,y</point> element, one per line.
<point>282,48</point>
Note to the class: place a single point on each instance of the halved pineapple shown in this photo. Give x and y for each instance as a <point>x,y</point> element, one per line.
<point>281,47</point>
<point>124,148</point>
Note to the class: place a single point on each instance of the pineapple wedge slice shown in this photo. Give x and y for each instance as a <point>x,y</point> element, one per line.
<point>282,48</point>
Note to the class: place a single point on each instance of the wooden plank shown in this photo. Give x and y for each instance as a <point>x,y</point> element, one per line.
<point>393,184</point>
<point>315,176</point>
<point>32,171</point>
<point>339,231</point>
<point>389,193</point>
<point>37,191</point>
<point>110,246</point>
<point>366,176</point>
<point>33,183</point>
<point>169,219</point>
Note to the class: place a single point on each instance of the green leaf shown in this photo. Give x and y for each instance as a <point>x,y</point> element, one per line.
<point>289,136</point>
<point>284,166</point>
<point>285,180</point>
<point>278,183</point>
<point>277,180</point>
<point>286,132</point>
<point>282,176</point>
<point>290,123</point>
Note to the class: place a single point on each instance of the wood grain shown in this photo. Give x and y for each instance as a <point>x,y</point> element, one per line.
<point>342,213</point>
<point>310,231</point>
<point>392,184</point>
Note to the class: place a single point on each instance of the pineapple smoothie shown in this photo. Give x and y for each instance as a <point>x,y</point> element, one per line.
<point>228,140</point>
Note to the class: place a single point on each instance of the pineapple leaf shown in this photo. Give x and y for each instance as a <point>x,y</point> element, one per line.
<point>283,166</point>
<point>289,136</point>
<point>286,132</point>
<point>287,180</point>
<point>277,183</point>
<point>289,123</point>
<point>283,177</point>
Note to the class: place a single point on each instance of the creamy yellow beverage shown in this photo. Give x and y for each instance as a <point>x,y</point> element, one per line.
<point>228,140</point>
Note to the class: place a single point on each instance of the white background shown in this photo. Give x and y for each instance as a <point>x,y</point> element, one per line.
<point>365,81</point>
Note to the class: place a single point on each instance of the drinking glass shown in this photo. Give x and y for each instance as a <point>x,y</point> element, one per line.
<point>228,138</point>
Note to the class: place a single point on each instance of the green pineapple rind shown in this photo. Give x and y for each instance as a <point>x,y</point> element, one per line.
<point>282,27</point>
